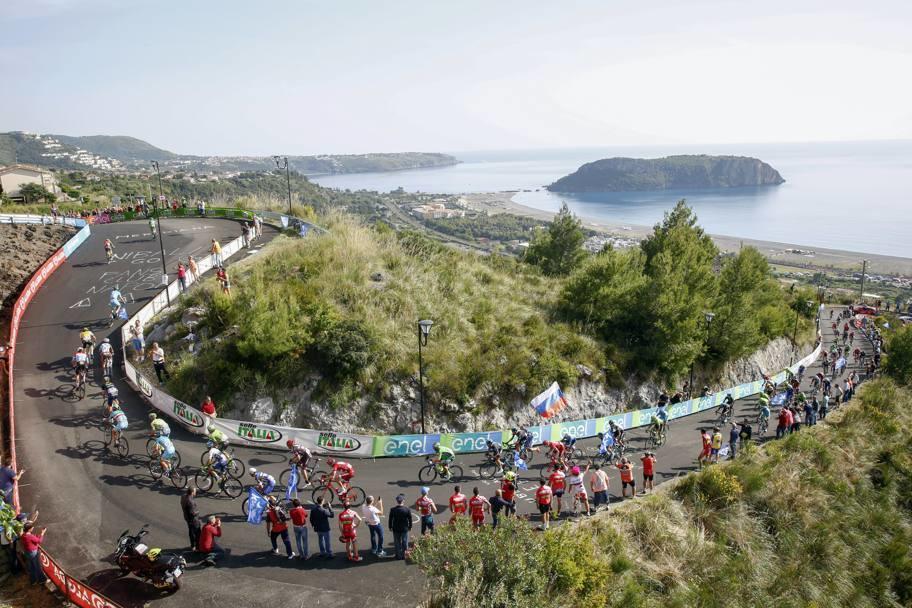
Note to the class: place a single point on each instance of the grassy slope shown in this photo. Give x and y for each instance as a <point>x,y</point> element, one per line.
<point>492,334</point>
<point>823,518</point>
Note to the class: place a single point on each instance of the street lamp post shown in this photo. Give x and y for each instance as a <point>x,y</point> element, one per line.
<point>284,165</point>
<point>424,329</point>
<point>808,304</point>
<point>161,243</point>
<point>709,316</point>
<point>864,268</point>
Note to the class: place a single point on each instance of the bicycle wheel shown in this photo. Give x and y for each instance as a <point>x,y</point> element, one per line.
<point>236,467</point>
<point>203,481</point>
<point>122,447</point>
<point>326,492</point>
<point>244,506</point>
<point>527,454</point>
<point>176,460</point>
<point>576,454</point>
<point>355,496</point>
<point>455,473</point>
<point>427,474</point>
<point>107,432</point>
<point>178,477</point>
<point>150,447</point>
<point>232,487</point>
<point>81,391</point>
<point>486,470</point>
<point>155,469</point>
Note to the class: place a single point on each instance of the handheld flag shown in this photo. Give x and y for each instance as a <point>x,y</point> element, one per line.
<point>550,402</point>
<point>256,504</point>
<point>519,462</point>
<point>122,313</point>
<point>292,490</point>
<point>779,398</point>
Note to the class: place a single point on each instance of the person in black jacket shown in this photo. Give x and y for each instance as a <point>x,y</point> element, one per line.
<point>320,515</point>
<point>400,522</point>
<point>191,516</point>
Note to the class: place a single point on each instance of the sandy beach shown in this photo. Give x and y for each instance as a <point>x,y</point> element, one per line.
<point>778,253</point>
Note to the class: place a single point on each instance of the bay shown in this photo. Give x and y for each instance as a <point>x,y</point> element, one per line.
<point>854,196</point>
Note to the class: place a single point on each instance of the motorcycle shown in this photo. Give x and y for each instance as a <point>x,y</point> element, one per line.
<point>163,570</point>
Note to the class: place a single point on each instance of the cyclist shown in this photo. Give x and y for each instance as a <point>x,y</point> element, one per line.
<point>606,442</point>
<point>88,342</point>
<point>116,301</point>
<point>152,227</point>
<point>568,441</point>
<point>118,421</point>
<point>725,408</point>
<point>299,456</point>
<point>764,416</point>
<point>265,482</point>
<point>617,431</point>
<point>109,250</point>
<point>493,454</point>
<point>444,456</point>
<point>107,352</point>
<point>556,451</point>
<point>80,362</point>
<point>342,472</point>
<point>521,439</point>
<point>656,425</point>
<point>217,460</point>
<point>217,438</point>
<point>167,453</point>
<point>160,428</point>
<point>111,394</point>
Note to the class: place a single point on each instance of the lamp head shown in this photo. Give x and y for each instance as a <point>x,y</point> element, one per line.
<point>425,327</point>
<point>709,316</point>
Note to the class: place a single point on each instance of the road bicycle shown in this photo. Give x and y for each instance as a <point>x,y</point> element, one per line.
<point>79,388</point>
<point>153,450</point>
<point>724,414</point>
<point>312,473</point>
<point>658,435</point>
<point>235,465</point>
<point>332,490</point>
<point>121,446</point>
<point>107,365</point>
<point>526,453</point>
<point>762,425</point>
<point>109,253</point>
<point>176,474</point>
<point>489,468</point>
<point>432,470</point>
<point>225,482</point>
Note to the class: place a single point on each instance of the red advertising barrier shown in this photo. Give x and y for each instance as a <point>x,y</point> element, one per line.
<point>76,591</point>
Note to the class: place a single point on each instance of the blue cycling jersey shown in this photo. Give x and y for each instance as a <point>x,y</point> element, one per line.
<point>165,444</point>
<point>118,419</point>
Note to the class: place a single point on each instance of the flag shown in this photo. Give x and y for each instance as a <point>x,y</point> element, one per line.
<point>840,362</point>
<point>256,504</point>
<point>519,462</point>
<point>292,490</point>
<point>550,402</point>
<point>122,313</point>
<point>779,398</point>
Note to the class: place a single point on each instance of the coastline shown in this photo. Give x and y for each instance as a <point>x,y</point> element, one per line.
<point>777,253</point>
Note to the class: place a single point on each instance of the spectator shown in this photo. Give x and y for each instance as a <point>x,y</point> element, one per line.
<point>348,529</point>
<point>139,341</point>
<point>207,542</point>
<point>245,235</point>
<point>8,480</point>
<point>276,526</point>
<point>649,462</point>
<point>599,484</point>
<point>426,509</point>
<point>733,434</point>
<point>30,545</point>
<point>10,535</point>
<point>191,516</point>
<point>320,515</point>
<point>626,469</point>
<point>192,269</point>
<point>400,522</point>
<point>182,276</point>
<point>498,504</point>
<point>216,250</point>
<point>5,352</point>
<point>299,520</point>
<point>221,275</point>
<point>208,409</point>
<point>372,514</point>
<point>158,362</point>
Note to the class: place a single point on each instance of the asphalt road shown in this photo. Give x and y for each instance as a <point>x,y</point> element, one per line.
<point>88,497</point>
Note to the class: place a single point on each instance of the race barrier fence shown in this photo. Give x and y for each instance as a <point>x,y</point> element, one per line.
<point>28,218</point>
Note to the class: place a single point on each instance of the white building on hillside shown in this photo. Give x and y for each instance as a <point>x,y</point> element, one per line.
<point>13,177</point>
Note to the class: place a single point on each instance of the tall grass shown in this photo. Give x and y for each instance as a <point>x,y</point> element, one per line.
<point>823,518</point>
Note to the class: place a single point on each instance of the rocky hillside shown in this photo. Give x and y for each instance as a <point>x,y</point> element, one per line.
<point>686,172</point>
<point>22,250</point>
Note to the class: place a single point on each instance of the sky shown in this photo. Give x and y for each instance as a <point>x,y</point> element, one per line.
<point>235,77</point>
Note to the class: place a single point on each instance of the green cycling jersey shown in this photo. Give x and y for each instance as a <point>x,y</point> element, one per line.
<point>445,454</point>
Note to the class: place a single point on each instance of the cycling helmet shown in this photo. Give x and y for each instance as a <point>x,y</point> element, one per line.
<point>330,461</point>
<point>80,350</point>
<point>153,416</point>
<point>253,471</point>
<point>210,428</point>
<point>514,430</point>
<point>289,443</point>
<point>85,329</point>
<point>575,470</point>
<point>436,446</point>
<point>115,405</point>
<point>489,442</point>
<point>601,435</point>
<point>152,554</point>
<point>106,341</point>
<point>509,475</point>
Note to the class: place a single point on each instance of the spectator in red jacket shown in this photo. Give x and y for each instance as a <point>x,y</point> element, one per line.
<point>298,516</point>
<point>208,408</point>
<point>30,544</point>
<point>207,542</point>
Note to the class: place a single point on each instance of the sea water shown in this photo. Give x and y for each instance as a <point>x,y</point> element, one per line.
<point>854,196</point>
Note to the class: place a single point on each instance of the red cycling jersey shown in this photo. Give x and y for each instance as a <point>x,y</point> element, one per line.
<point>556,481</point>
<point>543,495</point>
<point>508,488</point>
<point>477,506</point>
<point>458,503</point>
<point>425,504</point>
<point>346,470</point>
<point>347,523</point>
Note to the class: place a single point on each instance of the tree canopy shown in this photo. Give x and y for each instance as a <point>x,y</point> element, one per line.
<point>559,249</point>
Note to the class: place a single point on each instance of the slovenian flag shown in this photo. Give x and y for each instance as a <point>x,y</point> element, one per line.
<point>550,402</point>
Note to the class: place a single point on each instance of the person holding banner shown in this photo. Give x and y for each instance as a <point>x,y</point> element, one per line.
<point>276,526</point>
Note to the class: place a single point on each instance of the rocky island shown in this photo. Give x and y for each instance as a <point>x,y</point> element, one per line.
<point>684,172</point>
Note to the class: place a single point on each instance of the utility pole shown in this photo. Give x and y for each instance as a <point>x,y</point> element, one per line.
<point>864,267</point>
<point>284,165</point>
<point>161,244</point>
